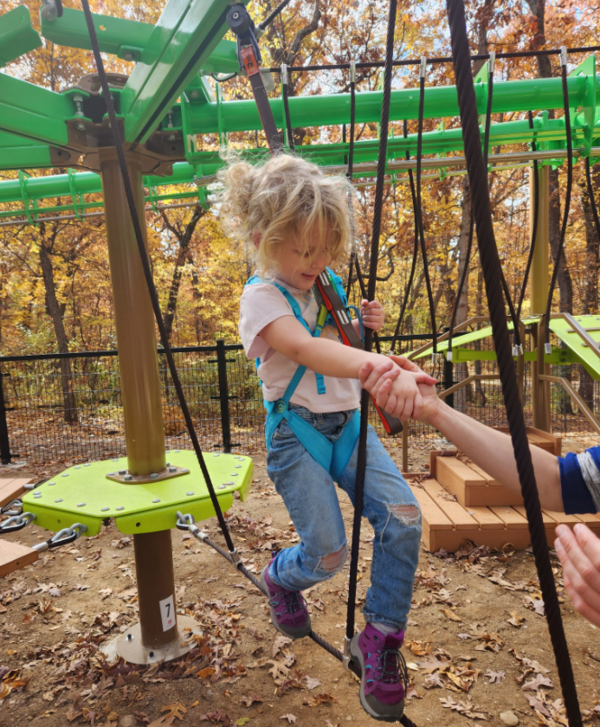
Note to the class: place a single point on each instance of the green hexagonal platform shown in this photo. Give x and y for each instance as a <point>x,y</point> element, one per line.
<point>84,494</point>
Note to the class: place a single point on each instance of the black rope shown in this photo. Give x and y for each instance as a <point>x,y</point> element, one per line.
<point>415,254</point>
<point>350,171</point>
<point>445,59</point>
<point>59,8</point>
<point>565,219</point>
<point>461,283</point>
<point>286,107</point>
<point>490,263</point>
<point>419,207</point>
<point>364,402</point>
<point>536,213</point>
<point>148,272</point>
<point>270,18</point>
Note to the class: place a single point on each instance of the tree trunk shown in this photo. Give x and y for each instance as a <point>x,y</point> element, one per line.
<point>56,311</point>
<point>184,238</point>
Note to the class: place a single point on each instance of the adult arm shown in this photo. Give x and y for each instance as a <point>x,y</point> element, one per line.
<point>488,448</point>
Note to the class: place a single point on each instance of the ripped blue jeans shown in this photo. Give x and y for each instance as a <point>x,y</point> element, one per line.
<point>311,498</point>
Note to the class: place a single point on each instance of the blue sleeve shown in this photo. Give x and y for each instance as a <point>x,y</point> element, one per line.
<point>575,493</point>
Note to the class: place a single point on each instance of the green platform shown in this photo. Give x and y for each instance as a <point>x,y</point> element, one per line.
<point>575,351</point>
<point>83,494</point>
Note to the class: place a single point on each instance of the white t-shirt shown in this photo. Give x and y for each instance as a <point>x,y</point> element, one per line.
<point>263,303</point>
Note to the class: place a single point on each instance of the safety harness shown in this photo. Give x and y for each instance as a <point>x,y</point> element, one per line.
<point>333,457</point>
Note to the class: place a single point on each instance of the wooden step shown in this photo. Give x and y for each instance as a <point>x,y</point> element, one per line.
<point>550,442</point>
<point>12,489</point>
<point>471,486</point>
<point>14,556</point>
<point>448,525</point>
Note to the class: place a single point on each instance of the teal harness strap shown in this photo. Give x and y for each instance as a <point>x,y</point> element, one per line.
<point>333,457</point>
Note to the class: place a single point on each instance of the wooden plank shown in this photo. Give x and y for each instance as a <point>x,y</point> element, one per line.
<point>560,518</point>
<point>554,438</point>
<point>432,515</point>
<point>455,511</point>
<point>488,478</point>
<point>486,518</point>
<point>548,521</point>
<point>461,470</point>
<point>12,489</point>
<point>14,556</point>
<point>511,518</point>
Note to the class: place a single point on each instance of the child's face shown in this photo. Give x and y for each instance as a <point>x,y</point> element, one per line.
<point>300,262</point>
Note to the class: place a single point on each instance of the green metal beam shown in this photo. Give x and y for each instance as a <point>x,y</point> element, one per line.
<point>440,102</point>
<point>19,153</point>
<point>186,34</point>
<point>33,112</point>
<point>16,35</point>
<point>126,39</point>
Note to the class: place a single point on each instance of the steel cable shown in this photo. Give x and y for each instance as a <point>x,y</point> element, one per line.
<point>490,263</point>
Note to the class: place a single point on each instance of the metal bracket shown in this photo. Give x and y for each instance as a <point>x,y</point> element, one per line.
<point>125,478</point>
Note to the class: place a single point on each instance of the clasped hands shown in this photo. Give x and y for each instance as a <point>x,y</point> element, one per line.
<point>400,387</point>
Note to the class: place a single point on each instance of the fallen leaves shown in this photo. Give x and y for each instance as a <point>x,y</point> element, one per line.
<point>467,708</point>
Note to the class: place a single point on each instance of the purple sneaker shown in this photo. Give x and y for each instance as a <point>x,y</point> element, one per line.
<point>289,613</point>
<point>383,673</point>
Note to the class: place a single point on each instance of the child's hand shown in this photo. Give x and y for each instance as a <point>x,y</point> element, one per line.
<point>372,314</point>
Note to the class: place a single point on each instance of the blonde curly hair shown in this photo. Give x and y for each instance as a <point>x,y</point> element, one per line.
<point>263,205</point>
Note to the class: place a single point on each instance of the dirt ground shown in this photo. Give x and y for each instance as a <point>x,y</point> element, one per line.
<point>477,644</point>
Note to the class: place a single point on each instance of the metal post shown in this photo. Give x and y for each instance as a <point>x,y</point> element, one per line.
<point>224,395</point>
<point>4,441</point>
<point>142,409</point>
<point>538,296</point>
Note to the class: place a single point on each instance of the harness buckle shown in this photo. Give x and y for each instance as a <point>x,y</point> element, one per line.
<point>280,406</point>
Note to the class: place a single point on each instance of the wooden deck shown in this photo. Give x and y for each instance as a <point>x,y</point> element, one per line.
<point>13,555</point>
<point>462,502</point>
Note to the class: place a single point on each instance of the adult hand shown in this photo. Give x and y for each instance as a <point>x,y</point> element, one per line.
<point>579,553</point>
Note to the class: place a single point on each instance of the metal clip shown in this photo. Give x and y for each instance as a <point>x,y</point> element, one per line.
<point>422,67</point>
<point>492,62</point>
<point>14,507</point>
<point>17,522</point>
<point>547,348</point>
<point>563,55</point>
<point>284,74</point>
<point>352,71</point>
<point>517,350</point>
<point>449,355</point>
<point>346,653</point>
<point>434,358</point>
<point>67,535</point>
<point>184,522</point>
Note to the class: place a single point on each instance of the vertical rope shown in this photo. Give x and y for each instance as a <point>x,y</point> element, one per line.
<point>364,402</point>
<point>286,105</point>
<point>415,254</point>
<point>490,263</point>
<point>419,201</point>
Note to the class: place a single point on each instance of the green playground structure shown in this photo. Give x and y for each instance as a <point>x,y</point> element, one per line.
<point>165,109</point>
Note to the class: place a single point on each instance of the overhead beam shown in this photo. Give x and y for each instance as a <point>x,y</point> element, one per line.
<point>440,102</point>
<point>17,35</point>
<point>33,112</point>
<point>186,34</point>
<point>126,39</point>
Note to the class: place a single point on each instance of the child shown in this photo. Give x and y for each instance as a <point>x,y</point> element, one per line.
<point>297,222</point>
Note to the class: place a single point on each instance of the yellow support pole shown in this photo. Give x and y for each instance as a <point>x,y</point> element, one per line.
<point>538,296</point>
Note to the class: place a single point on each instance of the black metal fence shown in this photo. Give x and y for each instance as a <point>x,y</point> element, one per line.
<point>53,413</point>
